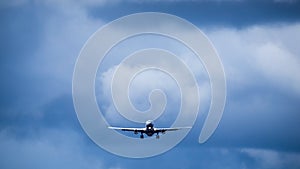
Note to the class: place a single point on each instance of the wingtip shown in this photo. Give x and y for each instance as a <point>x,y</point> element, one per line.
<point>186,127</point>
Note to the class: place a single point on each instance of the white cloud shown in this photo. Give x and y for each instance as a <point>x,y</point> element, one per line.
<point>139,90</point>
<point>274,159</point>
<point>65,30</point>
<point>145,82</point>
<point>260,53</point>
<point>279,65</point>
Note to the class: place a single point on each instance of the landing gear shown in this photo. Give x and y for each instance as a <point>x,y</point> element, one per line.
<point>157,136</point>
<point>142,136</point>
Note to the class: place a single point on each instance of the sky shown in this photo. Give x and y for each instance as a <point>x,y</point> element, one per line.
<point>258,44</point>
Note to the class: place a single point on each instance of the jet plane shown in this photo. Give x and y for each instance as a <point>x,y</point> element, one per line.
<point>149,129</point>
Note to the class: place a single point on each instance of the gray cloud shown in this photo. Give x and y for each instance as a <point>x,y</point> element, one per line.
<point>262,107</point>
<point>38,123</point>
<point>54,149</point>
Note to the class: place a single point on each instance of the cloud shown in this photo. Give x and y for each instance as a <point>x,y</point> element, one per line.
<point>219,158</point>
<point>37,132</point>
<point>39,58</point>
<point>260,64</point>
<point>148,80</point>
<point>274,159</point>
<point>63,31</point>
<point>54,149</point>
<point>139,90</point>
<point>38,123</point>
<point>265,53</point>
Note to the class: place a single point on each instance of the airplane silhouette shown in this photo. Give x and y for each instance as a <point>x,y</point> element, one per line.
<point>149,129</point>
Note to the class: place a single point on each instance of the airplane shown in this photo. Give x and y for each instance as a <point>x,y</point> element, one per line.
<point>149,129</point>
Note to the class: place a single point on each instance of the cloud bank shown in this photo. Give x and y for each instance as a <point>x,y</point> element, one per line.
<point>259,129</point>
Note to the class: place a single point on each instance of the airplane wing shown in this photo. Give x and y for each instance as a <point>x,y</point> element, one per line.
<point>163,130</point>
<point>128,129</point>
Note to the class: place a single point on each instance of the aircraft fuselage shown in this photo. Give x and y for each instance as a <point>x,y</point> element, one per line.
<point>149,128</point>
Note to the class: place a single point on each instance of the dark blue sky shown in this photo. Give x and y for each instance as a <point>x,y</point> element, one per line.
<point>209,13</point>
<point>257,42</point>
